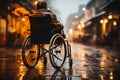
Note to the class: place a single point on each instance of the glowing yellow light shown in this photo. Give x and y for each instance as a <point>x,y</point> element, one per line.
<point>102,63</point>
<point>102,77</point>
<point>110,16</point>
<point>76,17</point>
<point>71,31</point>
<point>111,75</point>
<point>35,3</point>
<point>116,60</point>
<point>84,9</point>
<point>66,35</point>
<point>81,21</point>
<point>103,57</point>
<point>79,26</point>
<point>105,20</point>
<point>23,19</point>
<point>84,74</point>
<point>101,21</point>
<point>102,68</point>
<point>114,23</point>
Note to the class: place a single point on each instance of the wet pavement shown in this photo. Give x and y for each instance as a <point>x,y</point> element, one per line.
<point>89,63</point>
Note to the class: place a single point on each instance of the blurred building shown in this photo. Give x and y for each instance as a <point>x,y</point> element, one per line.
<point>104,20</point>
<point>13,23</point>
<point>100,22</point>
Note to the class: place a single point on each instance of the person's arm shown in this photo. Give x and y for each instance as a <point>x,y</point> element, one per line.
<point>55,22</point>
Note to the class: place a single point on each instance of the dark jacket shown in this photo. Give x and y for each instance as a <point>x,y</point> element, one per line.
<point>55,22</point>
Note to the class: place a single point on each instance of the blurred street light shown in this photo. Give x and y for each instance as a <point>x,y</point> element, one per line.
<point>110,16</point>
<point>23,19</point>
<point>84,9</point>
<point>71,31</point>
<point>101,21</point>
<point>76,16</point>
<point>114,23</point>
<point>35,3</point>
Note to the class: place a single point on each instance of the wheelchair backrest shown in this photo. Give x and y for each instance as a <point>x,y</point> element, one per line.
<point>41,28</point>
<point>39,21</point>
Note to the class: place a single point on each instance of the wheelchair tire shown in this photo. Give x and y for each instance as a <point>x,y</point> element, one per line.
<point>30,53</point>
<point>58,51</point>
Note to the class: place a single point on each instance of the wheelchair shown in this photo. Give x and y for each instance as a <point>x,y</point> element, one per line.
<point>42,33</point>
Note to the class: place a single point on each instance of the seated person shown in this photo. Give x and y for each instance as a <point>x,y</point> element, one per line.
<point>42,10</point>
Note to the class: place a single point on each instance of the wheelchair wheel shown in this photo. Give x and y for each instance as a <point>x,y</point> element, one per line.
<point>30,53</point>
<point>57,50</point>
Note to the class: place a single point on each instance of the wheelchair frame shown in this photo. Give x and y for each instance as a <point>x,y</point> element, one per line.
<point>32,50</point>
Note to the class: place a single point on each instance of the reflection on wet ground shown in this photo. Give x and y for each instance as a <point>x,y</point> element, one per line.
<point>12,68</point>
<point>88,64</point>
<point>96,64</point>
